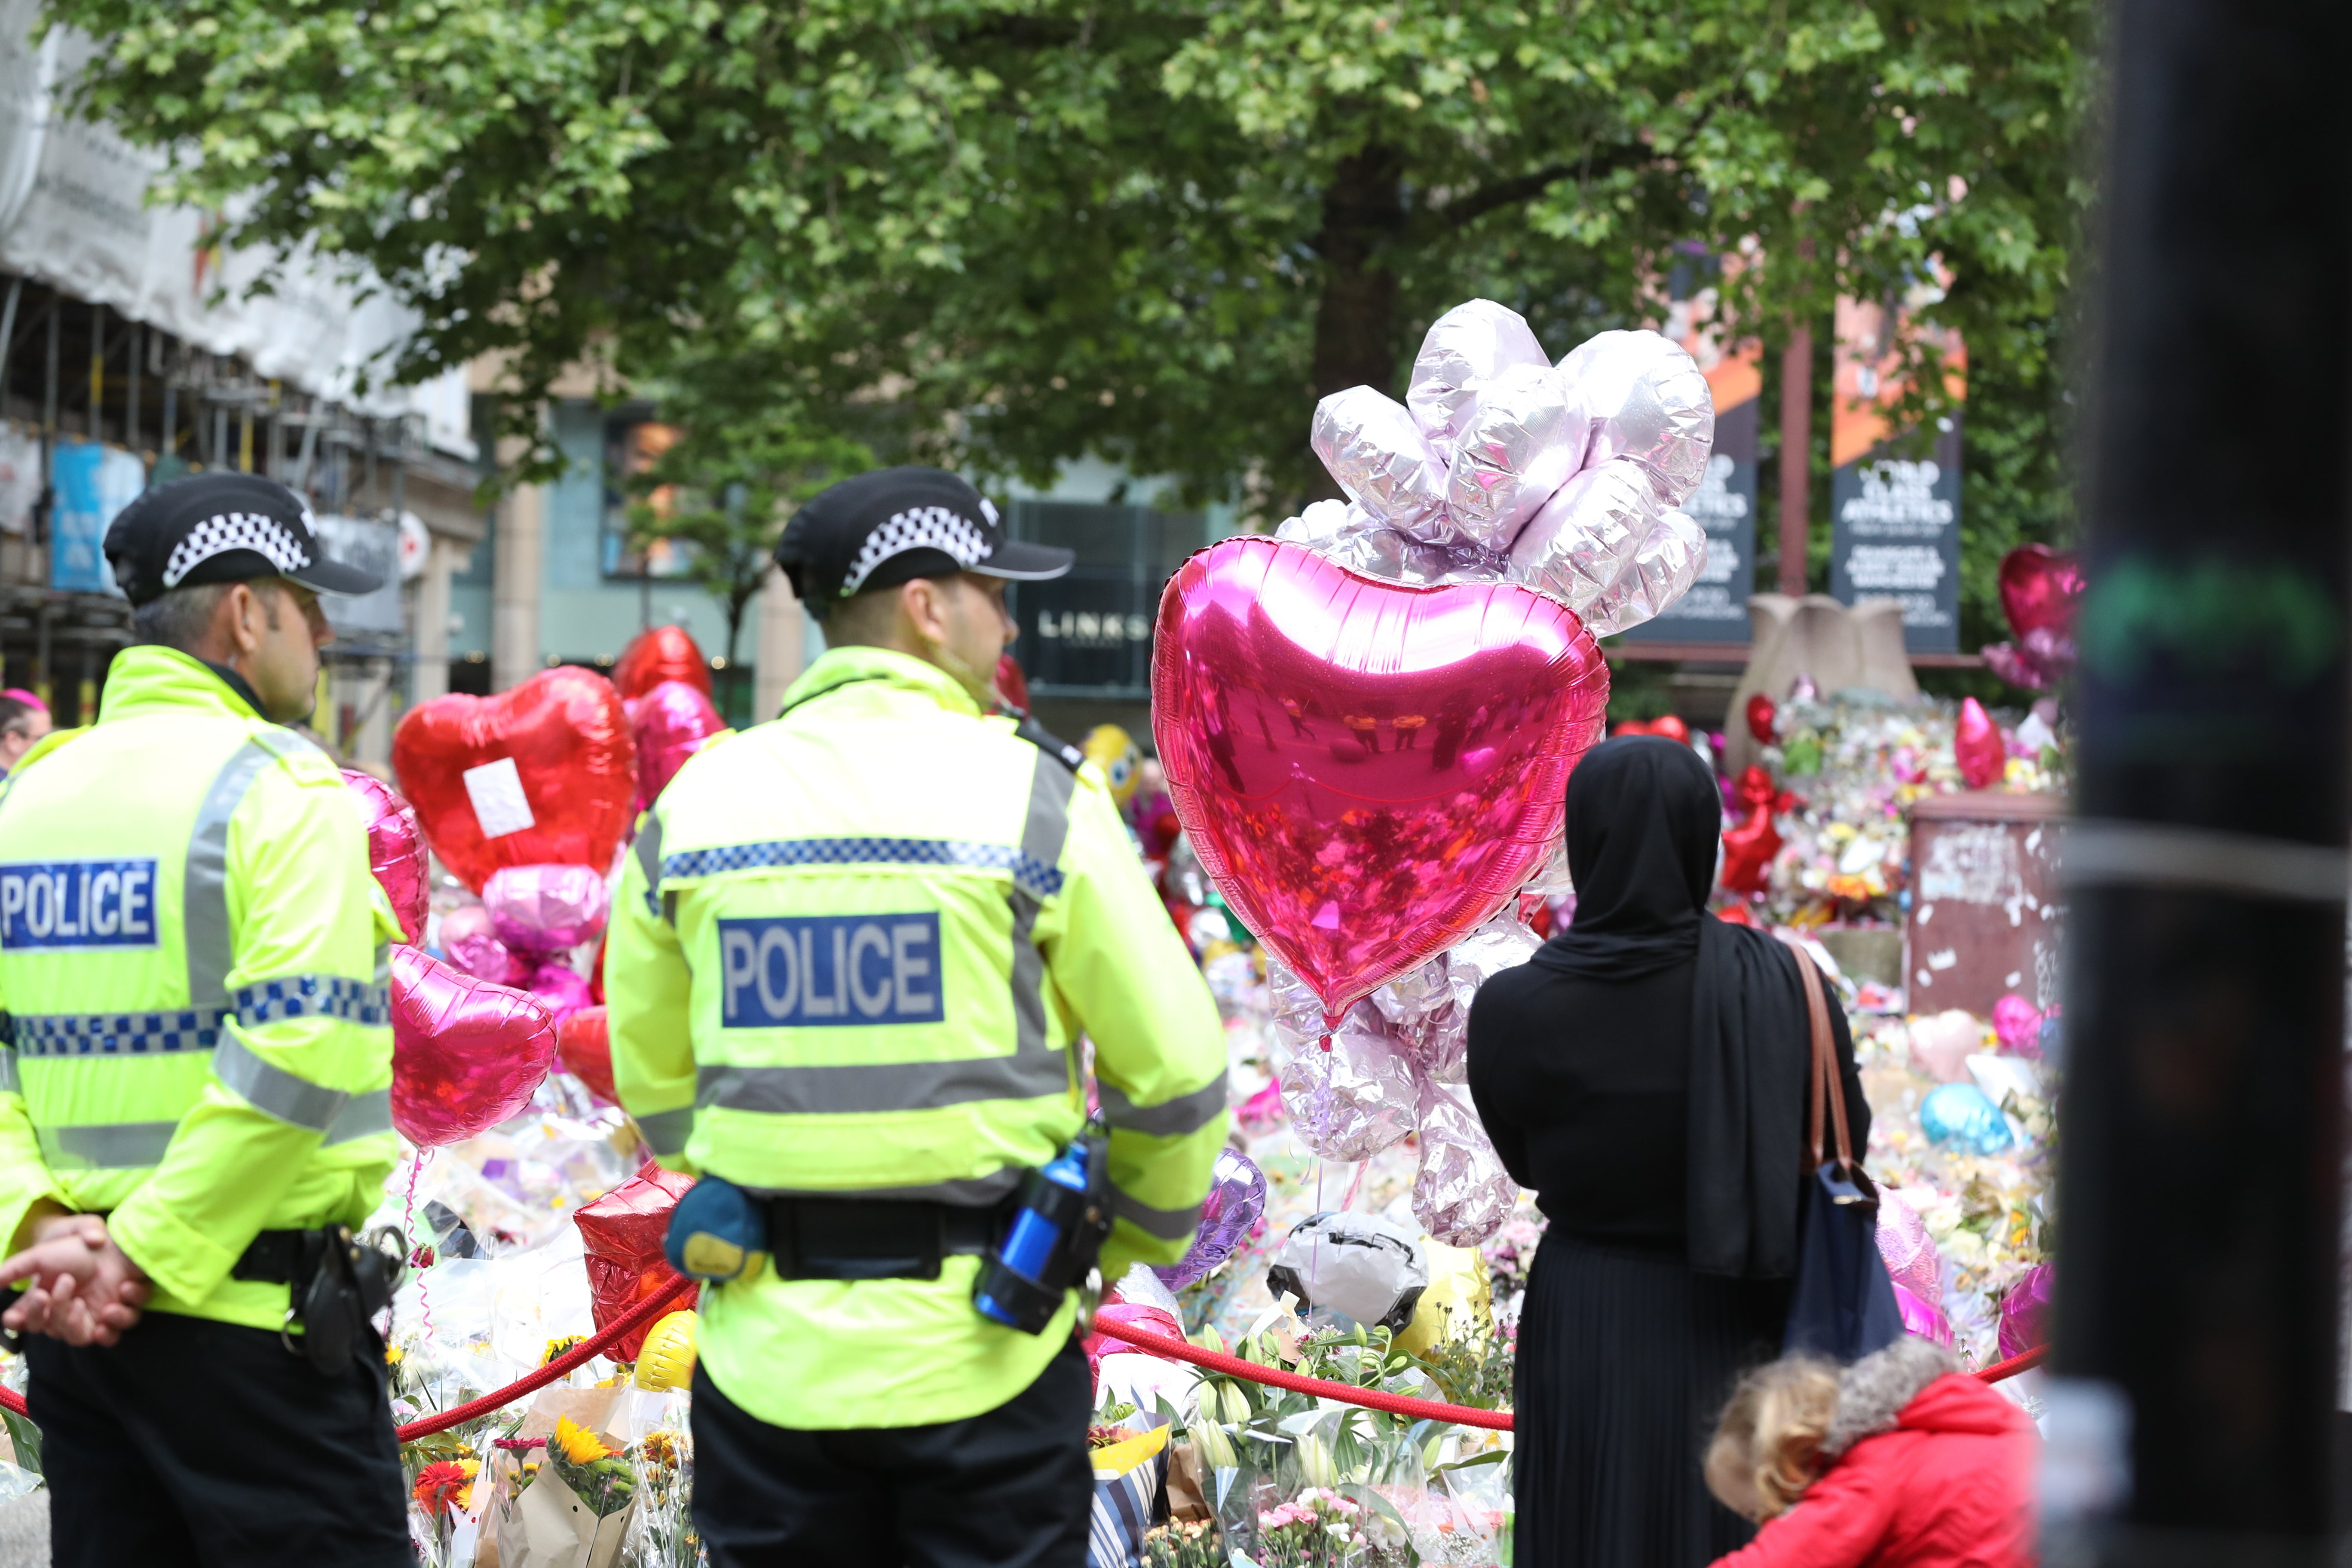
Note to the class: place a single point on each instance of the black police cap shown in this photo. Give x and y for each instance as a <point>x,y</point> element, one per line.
<point>892,525</point>
<point>222,528</point>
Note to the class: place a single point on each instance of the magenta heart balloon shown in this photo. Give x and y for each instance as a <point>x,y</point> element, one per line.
<point>466,1054</point>
<point>472,944</point>
<point>2039,588</point>
<point>1367,771</point>
<point>395,850</point>
<point>670,723</point>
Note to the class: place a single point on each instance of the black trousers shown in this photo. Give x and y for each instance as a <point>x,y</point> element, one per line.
<point>1009,1489</point>
<point>207,1444</point>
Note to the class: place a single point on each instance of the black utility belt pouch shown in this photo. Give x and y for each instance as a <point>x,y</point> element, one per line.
<point>336,1283</point>
<point>871,1238</point>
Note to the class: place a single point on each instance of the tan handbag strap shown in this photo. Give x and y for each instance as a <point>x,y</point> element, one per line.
<point>1822,1088</point>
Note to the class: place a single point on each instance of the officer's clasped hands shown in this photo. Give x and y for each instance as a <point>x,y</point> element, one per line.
<point>83,1290</point>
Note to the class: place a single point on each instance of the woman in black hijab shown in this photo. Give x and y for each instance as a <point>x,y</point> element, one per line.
<point>1645,1074</point>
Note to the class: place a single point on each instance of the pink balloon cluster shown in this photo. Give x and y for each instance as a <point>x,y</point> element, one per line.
<point>466,1054</point>
<point>395,850</point>
<point>670,722</point>
<point>528,919</point>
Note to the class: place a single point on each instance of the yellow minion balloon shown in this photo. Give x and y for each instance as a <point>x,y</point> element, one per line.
<point>1112,750</point>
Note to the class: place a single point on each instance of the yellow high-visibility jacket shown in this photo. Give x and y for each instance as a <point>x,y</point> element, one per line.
<point>192,968</point>
<point>851,955</point>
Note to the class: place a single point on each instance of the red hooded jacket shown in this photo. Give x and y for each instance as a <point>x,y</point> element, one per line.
<point>1951,1486</point>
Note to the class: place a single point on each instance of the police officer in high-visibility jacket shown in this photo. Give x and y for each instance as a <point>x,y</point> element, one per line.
<point>852,956</point>
<point>194,1093</point>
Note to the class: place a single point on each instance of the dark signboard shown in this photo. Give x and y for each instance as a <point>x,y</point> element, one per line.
<point>1089,634</point>
<point>1895,534</point>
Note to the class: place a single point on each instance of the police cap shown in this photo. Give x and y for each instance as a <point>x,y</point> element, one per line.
<point>222,528</point>
<point>892,525</point>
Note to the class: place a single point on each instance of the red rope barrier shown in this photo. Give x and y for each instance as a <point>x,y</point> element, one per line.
<point>647,1309</point>
<point>1375,1399</point>
<point>1371,1398</point>
<point>643,1312</point>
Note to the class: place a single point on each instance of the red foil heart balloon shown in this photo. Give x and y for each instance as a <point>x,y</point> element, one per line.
<point>2039,589</point>
<point>542,774</point>
<point>1669,726</point>
<point>1977,746</point>
<point>466,1054</point>
<point>395,850</point>
<point>1763,718</point>
<point>1748,850</point>
<point>584,1042</point>
<point>1367,771</point>
<point>670,723</point>
<point>663,653</point>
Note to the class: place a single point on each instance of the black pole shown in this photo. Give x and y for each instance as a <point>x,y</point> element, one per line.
<point>2198,1203</point>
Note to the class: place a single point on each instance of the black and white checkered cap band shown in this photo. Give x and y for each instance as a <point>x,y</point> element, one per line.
<point>919,528</point>
<point>236,531</point>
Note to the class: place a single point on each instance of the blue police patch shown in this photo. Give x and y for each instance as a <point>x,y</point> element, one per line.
<point>830,970</point>
<point>77,903</point>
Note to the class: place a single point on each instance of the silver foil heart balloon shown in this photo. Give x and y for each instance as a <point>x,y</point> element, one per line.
<point>1646,400</point>
<point>1464,350</point>
<point>1378,455</point>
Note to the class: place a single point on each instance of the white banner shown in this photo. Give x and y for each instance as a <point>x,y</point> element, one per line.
<point>74,214</point>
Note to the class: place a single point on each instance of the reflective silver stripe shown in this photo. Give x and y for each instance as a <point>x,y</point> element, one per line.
<point>666,1131</point>
<point>1048,824</point>
<point>120,1146</point>
<point>880,1085</point>
<point>274,1092</point>
<point>1044,829</point>
<point>364,1115</point>
<point>2110,852</point>
<point>649,847</point>
<point>1169,1118</point>
<point>972,1192</point>
<point>9,1082</point>
<point>204,891</point>
<point>1168,1225</point>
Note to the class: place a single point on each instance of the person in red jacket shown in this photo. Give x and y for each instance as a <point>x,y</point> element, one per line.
<point>1897,1461</point>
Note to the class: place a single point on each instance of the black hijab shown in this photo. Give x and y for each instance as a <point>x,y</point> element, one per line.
<point>1643,816</point>
<point>1643,820</point>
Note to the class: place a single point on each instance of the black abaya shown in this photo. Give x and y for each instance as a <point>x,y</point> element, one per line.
<point>1644,1073</point>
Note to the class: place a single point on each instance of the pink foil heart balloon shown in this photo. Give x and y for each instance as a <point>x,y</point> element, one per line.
<point>2039,589</point>
<point>466,1054</point>
<point>1367,771</point>
<point>472,946</point>
<point>1977,746</point>
<point>545,908</point>
<point>395,850</point>
<point>670,723</point>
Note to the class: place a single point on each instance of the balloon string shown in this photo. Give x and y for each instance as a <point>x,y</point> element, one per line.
<point>408,1214</point>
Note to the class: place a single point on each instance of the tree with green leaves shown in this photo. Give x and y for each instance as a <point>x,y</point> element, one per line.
<point>1153,230</point>
<point>719,495</point>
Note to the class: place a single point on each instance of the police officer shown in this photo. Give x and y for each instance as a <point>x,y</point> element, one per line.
<point>194,1099</point>
<point>851,958</point>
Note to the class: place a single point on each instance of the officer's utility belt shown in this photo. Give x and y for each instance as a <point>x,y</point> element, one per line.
<point>336,1283</point>
<point>874,1238</point>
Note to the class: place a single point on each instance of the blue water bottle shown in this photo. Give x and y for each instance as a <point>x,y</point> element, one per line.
<point>1052,1240</point>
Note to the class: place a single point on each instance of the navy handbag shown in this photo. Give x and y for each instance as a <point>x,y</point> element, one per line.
<point>1843,1307</point>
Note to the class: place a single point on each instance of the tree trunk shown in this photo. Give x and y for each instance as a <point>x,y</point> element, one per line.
<point>1355,323</point>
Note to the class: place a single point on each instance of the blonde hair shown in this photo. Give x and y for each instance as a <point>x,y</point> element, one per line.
<point>1768,1444</point>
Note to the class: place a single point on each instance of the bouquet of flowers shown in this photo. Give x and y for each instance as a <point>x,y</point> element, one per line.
<point>598,1476</point>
